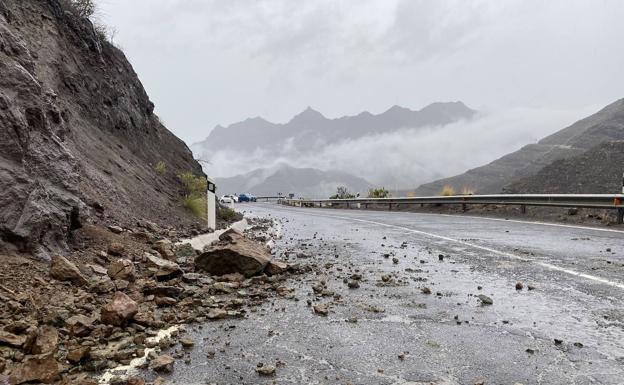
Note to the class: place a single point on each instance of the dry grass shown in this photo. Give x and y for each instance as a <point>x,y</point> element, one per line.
<point>196,205</point>
<point>226,213</point>
<point>161,168</point>
<point>468,191</point>
<point>447,191</point>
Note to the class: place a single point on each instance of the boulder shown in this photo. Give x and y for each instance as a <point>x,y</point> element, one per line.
<point>276,267</point>
<point>166,270</point>
<point>239,256</point>
<point>63,270</point>
<point>231,235</point>
<point>47,340</point>
<point>119,310</point>
<point>40,368</point>
<point>122,269</point>
<point>162,364</point>
<point>77,353</point>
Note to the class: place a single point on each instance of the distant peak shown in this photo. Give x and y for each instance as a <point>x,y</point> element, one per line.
<point>308,113</point>
<point>396,108</point>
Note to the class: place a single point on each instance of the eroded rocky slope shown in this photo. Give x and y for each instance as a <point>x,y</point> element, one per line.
<point>79,139</point>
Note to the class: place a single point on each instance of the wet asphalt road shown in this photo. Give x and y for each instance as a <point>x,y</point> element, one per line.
<point>577,277</point>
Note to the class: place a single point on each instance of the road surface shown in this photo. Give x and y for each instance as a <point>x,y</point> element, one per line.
<point>569,329</point>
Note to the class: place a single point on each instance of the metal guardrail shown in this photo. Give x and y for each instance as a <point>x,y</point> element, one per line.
<point>267,198</point>
<point>592,201</point>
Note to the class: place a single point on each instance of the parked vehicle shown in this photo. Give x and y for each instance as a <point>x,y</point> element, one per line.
<point>226,199</point>
<point>246,197</point>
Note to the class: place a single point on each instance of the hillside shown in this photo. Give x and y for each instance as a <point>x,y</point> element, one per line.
<point>306,182</point>
<point>597,171</point>
<point>78,136</point>
<point>605,125</point>
<point>310,130</point>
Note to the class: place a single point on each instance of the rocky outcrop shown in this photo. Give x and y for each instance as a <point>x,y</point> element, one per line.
<point>78,136</point>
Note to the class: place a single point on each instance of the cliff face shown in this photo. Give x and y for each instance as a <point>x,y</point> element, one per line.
<point>78,136</point>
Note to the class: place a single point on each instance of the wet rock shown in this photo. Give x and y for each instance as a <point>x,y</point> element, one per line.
<point>13,340</point>
<point>353,284</point>
<point>485,300</point>
<point>80,325</point>
<point>386,278</point>
<point>47,340</point>
<point>321,309</point>
<point>119,310</point>
<point>163,291</point>
<point>242,256</point>
<point>441,257</point>
<point>216,314</point>
<point>519,286</point>
<point>41,368</point>
<point>558,341</point>
<point>425,290</point>
<point>265,370</point>
<point>530,287</point>
<point>115,229</point>
<point>165,249</point>
<point>162,364</point>
<point>165,301</point>
<point>101,285</point>
<point>116,249</point>
<point>231,235</point>
<point>122,269</point>
<point>276,267</point>
<point>187,343</point>
<point>63,270</point>
<point>395,260</point>
<point>78,353</point>
<point>165,270</point>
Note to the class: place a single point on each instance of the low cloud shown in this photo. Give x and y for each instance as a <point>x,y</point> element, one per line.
<point>409,157</point>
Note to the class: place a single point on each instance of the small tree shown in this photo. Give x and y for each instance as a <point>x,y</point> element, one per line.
<point>378,193</point>
<point>342,192</point>
<point>80,8</point>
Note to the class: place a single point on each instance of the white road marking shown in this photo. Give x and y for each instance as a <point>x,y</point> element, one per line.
<point>484,248</point>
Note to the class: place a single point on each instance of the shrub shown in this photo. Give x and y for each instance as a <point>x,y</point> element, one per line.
<point>447,191</point>
<point>467,191</point>
<point>196,205</point>
<point>80,8</point>
<point>342,193</point>
<point>226,213</point>
<point>161,168</point>
<point>378,193</point>
<point>194,193</point>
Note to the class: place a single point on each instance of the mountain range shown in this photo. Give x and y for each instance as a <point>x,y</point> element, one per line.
<point>284,179</point>
<point>532,168</point>
<point>310,130</point>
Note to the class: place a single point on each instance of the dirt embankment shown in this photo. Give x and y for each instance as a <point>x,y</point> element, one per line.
<point>79,141</point>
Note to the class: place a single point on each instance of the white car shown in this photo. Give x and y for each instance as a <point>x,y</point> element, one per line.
<point>228,199</point>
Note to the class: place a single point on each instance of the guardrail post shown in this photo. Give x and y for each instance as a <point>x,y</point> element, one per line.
<point>523,209</point>
<point>389,206</point>
<point>620,216</point>
<point>348,205</point>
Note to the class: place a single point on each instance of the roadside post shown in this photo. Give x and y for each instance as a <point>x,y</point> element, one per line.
<point>211,204</point>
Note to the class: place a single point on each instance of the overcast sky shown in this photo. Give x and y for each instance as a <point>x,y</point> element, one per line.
<point>209,62</point>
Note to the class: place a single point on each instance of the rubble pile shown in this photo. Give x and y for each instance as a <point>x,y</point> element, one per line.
<point>68,320</point>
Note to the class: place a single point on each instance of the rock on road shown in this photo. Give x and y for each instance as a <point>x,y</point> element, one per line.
<point>410,304</point>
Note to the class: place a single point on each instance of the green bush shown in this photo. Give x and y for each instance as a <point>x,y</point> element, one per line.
<point>161,168</point>
<point>342,193</point>
<point>378,193</point>
<point>196,205</point>
<point>226,213</point>
<point>194,193</point>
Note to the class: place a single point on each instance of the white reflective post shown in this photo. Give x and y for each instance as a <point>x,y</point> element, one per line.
<point>212,205</point>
